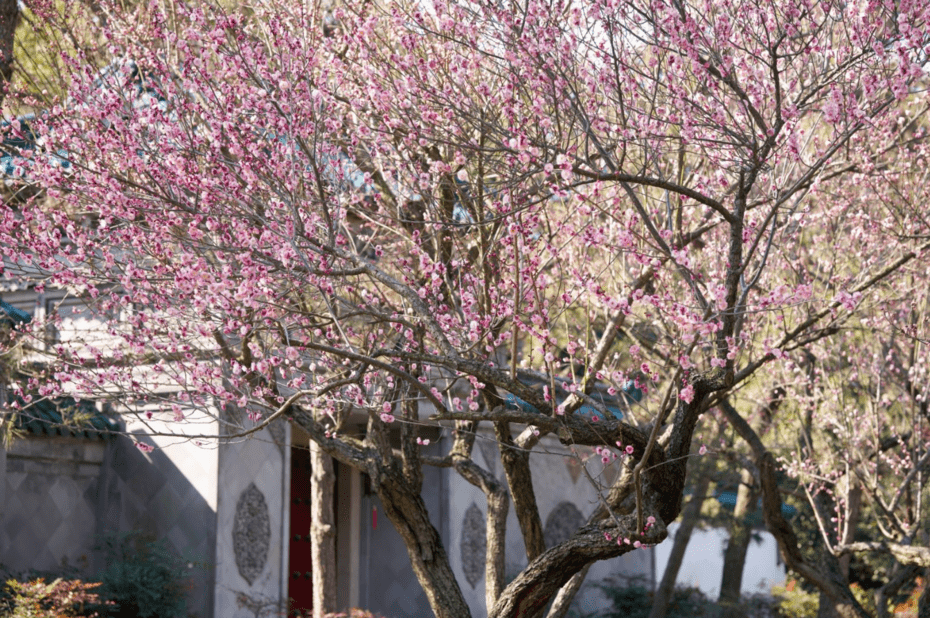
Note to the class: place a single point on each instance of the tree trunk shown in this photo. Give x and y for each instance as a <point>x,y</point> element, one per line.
<point>498,501</point>
<point>825,608</point>
<point>735,556</point>
<point>923,605</point>
<point>828,579</point>
<point>9,19</point>
<point>520,481</point>
<point>853,508</point>
<point>689,518</point>
<point>566,595</point>
<point>407,511</point>
<point>563,600</point>
<point>661,491</point>
<point>847,535</point>
<point>900,575</point>
<point>531,591</point>
<point>323,532</point>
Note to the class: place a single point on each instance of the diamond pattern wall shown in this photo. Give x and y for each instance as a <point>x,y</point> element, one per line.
<point>61,494</point>
<point>48,519</point>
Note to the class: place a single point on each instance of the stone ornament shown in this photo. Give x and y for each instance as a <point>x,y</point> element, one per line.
<point>562,523</point>
<point>473,545</point>
<point>251,533</point>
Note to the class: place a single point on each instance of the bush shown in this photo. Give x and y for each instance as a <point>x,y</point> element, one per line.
<point>144,579</point>
<point>59,599</point>
<point>635,601</point>
<point>795,602</point>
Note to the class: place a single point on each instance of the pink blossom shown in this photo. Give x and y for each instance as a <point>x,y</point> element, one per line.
<point>293,213</point>
<point>687,393</point>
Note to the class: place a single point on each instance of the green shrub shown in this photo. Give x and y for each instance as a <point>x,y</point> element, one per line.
<point>144,579</point>
<point>865,598</point>
<point>795,602</point>
<point>58,599</point>
<point>635,601</point>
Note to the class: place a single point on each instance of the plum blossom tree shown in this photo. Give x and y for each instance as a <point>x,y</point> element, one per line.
<point>860,448</point>
<point>498,213</point>
<point>858,437</point>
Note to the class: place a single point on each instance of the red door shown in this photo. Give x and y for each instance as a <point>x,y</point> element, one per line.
<point>300,582</point>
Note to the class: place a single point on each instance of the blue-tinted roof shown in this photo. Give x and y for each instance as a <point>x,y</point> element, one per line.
<point>16,138</point>
<point>728,500</point>
<point>513,402</point>
<point>63,417</point>
<point>11,315</point>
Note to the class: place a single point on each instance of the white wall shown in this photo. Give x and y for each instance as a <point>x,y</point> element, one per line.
<point>172,492</point>
<point>557,478</point>
<point>703,563</point>
<point>261,459</point>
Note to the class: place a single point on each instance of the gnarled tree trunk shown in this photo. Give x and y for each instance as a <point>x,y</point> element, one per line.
<point>923,605</point>
<point>734,559</point>
<point>9,19</point>
<point>404,507</point>
<point>323,531</point>
<point>826,576</point>
<point>407,511</point>
<point>563,600</point>
<point>689,518</point>
<point>661,491</point>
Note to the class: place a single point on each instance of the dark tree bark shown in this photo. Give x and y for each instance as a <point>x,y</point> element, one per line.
<point>689,518</point>
<point>662,487</point>
<point>734,559</point>
<point>563,600</point>
<point>534,587</point>
<point>621,490</point>
<point>323,531</point>
<point>407,511</point>
<point>825,576</point>
<point>520,480</point>
<point>923,605</point>
<point>404,507</point>
<point>904,554</point>
<point>900,576</point>
<point>9,19</point>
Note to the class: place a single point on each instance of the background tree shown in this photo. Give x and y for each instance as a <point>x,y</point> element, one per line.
<point>9,20</point>
<point>690,517</point>
<point>482,213</point>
